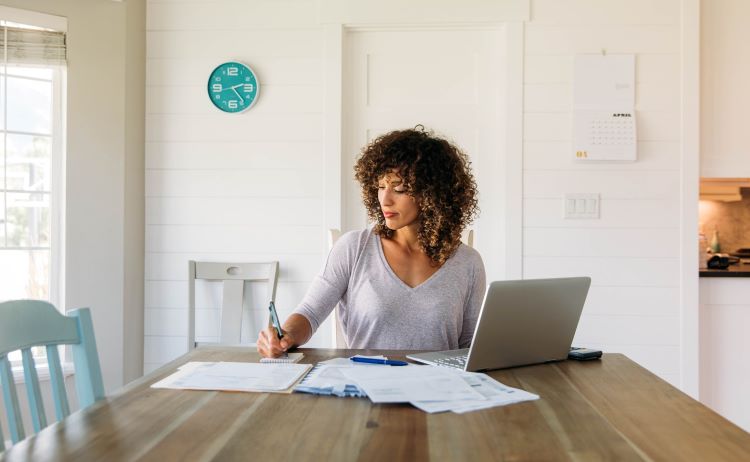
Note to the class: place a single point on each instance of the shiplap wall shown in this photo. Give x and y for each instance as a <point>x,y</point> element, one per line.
<point>251,186</point>
<point>247,187</point>
<point>632,251</point>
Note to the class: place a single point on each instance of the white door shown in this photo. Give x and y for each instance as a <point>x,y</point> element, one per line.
<point>450,81</point>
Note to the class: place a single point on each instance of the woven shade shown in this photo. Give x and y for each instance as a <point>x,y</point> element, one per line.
<point>32,46</point>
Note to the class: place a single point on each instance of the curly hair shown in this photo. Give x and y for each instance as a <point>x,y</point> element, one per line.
<point>435,172</point>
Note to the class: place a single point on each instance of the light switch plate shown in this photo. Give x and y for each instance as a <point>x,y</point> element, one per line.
<point>579,205</point>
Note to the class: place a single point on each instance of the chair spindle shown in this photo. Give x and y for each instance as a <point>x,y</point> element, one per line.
<point>62,409</point>
<point>33,391</point>
<point>12,408</point>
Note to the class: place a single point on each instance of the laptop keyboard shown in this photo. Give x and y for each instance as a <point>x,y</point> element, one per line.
<point>453,361</point>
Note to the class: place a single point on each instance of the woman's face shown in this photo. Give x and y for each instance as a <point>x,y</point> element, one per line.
<point>398,207</point>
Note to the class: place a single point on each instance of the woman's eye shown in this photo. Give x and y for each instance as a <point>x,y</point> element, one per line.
<point>399,191</point>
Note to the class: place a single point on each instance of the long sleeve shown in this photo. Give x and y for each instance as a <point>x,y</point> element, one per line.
<point>473,304</point>
<point>330,285</point>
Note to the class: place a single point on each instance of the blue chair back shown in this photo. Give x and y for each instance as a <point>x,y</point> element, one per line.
<point>29,323</point>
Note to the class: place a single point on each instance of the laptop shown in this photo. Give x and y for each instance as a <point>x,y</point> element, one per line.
<point>523,322</point>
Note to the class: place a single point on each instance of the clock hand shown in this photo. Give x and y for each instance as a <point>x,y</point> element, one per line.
<point>238,95</point>
<point>232,88</point>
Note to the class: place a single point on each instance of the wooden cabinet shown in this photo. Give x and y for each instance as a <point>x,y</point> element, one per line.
<point>725,88</point>
<point>725,347</point>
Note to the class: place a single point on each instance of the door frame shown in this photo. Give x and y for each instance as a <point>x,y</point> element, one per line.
<point>689,180</point>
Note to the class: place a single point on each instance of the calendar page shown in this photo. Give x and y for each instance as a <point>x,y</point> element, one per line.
<point>601,135</point>
<point>604,125</point>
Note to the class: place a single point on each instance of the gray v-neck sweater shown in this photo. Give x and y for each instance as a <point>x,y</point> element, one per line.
<point>378,310</point>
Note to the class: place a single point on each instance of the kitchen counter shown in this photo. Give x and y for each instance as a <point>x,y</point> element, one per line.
<point>739,270</point>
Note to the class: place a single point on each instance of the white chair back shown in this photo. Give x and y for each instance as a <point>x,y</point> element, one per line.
<point>233,277</point>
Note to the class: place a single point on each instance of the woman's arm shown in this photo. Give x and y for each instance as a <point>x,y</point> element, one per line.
<point>473,303</point>
<point>296,332</point>
<point>324,293</point>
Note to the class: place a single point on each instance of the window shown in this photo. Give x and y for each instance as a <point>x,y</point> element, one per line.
<point>32,72</point>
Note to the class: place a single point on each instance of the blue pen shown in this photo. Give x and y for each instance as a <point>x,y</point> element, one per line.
<point>276,323</point>
<point>388,362</point>
<point>275,319</point>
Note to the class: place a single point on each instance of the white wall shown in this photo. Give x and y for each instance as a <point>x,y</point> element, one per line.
<point>246,187</point>
<point>207,173</point>
<point>632,251</point>
<point>104,242</point>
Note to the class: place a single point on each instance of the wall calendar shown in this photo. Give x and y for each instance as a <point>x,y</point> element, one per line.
<point>604,125</point>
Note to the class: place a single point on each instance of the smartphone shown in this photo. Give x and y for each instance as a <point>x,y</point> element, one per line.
<point>583,354</point>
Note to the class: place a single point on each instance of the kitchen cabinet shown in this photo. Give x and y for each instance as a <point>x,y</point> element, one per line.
<point>725,93</point>
<point>725,347</point>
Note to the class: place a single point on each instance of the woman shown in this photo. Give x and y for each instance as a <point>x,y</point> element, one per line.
<point>407,282</point>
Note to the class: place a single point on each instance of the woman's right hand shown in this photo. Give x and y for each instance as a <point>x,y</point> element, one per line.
<point>270,346</point>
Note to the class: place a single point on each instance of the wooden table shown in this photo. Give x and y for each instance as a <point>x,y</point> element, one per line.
<point>599,410</point>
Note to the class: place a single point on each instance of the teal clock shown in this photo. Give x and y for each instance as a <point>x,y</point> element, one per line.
<point>233,87</point>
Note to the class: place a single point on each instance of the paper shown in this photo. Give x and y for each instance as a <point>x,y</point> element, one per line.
<point>604,81</point>
<point>494,393</point>
<point>289,358</point>
<point>234,376</point>
<point>604,126</point>
<point>327,378</point>
<point>401,384</point>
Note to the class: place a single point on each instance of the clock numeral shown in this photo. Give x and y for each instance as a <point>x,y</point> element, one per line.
<point>216,87</point>
<point>232,71</point>
<point>232,104</point>
<point>249,87</point>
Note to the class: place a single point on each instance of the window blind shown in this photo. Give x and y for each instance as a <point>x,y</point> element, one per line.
<point>32,46</point>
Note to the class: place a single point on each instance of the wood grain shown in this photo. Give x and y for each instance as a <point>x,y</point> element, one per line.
<point>602,410</point>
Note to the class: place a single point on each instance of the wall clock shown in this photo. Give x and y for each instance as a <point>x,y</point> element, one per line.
<point>233,87</point>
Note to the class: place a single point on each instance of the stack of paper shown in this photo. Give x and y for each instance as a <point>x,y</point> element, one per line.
<point>435,389</point>
<point>493,394</point>
<point>327,378</point>
<point>232,376</point>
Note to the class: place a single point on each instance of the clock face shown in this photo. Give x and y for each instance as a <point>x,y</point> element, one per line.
<point>233,87</point>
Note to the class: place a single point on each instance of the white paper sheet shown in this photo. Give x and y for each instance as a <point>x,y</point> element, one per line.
<point>494,393</point>
<point>401,384</point>
<point>234,376</point>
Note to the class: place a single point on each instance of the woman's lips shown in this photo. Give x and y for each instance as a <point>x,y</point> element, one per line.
<point>389,214</point>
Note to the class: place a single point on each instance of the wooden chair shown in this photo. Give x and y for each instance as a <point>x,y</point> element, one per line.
<point>467,237</point>
<point>28,323</point>
<point>233,277</point>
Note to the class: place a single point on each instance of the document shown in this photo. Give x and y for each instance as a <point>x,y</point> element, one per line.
<point>494,393</point>
<point>234,376</point>
<point>403,384</point>
<point>327,378</point>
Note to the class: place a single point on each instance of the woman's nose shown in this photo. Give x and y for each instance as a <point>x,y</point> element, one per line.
<point>386,197</point>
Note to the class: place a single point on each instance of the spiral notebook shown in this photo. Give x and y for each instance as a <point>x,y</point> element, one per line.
<point>289,358</point>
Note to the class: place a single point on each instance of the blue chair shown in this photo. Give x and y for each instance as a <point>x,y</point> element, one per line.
<point>28,323</point>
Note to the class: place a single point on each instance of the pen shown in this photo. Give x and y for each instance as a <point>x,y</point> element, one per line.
<point>388,362</point>
<point>275,319</point>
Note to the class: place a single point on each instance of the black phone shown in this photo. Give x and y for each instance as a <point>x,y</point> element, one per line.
<point>584,354</point>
